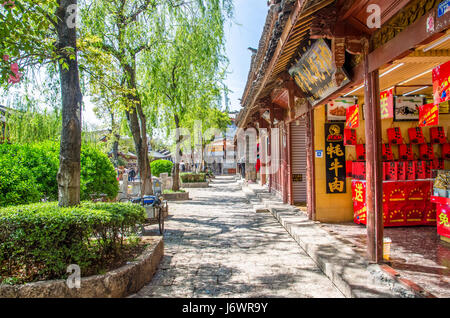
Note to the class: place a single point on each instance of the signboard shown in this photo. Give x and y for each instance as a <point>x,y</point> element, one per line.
<point>337,109</point>
<point>406,108</point>
<point>335,158</point>
<point>443,8</point>
<point>297,177</point>
<point>352,117</point>
<point>387,104</point>
<point>428,115</point>
<point>441,83</point>
<point>315,73</point>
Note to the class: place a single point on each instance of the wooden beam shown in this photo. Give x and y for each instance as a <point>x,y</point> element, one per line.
<point>413,36</point>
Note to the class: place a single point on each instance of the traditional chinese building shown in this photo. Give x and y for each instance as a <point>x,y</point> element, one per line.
<point>315,61</point>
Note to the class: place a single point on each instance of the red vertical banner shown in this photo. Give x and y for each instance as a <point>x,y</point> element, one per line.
<point>441,83</point>
<point>352,117</point>
<point>429,115</point>
<point>387,104</point>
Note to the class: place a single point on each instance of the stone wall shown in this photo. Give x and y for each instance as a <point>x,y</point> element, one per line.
<point>120,282</point>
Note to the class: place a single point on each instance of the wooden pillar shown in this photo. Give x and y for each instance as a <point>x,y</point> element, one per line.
<point>374,186</point>
<point>270,149</point>
<point>310,165</point>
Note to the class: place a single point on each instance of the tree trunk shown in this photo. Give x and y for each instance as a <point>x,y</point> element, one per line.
<point>176,166</point>
<point>69,167</point>
<point>116,136</point>
<point>138,126</point>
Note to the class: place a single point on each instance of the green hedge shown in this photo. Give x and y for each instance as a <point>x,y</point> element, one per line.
<point>189,177</point>
<point>161,166</point>
<point>41,240</point>
<point>28,173</point>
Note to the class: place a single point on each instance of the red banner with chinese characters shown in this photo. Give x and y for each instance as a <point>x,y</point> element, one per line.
<point>441,83</point>
<point>352,117</point>
<point>387,104</point>
<point>404,203</point>
<point>429,115</point>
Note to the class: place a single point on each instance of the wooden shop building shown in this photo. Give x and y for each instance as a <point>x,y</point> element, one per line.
<point>350,84</point>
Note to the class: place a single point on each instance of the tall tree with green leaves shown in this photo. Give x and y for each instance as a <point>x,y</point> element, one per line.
<point>122,31</point>
<point>36,33</point>
<point>187,71</point>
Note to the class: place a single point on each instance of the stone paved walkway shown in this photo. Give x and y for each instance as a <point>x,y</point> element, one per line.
<point>217,246</point>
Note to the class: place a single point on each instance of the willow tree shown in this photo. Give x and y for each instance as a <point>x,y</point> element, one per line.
<point>123,30</point>
<point>189,67</point>
<point>36,33</point>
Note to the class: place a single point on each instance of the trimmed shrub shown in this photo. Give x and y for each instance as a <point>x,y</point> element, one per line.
<point>41,240</point>
<point>97,174</point>
<point>161,166</point>
<point>28,173</point>
<point>189,177</point>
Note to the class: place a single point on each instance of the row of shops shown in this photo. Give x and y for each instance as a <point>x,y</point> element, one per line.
<point>359,93</point>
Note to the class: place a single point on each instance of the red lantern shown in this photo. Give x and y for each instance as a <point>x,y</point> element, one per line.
<point>395,136</point>
<point>405,152</point>
<point>437,135</point>
<point>416,136</point>
<point>349,137</point>
<point>426,152</point>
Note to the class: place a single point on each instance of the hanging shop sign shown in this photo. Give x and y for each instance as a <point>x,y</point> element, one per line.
<point>406,108</point>
<point>335,158</point>
<point>428,115</point>
<point>337,109</point>
<point>352,117</point>
<point>315,73</point>
<point>441,83</point>
<point>443,8</point>
<point>387,104</point>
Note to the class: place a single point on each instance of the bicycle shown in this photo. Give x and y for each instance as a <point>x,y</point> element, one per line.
<point>159,207</point>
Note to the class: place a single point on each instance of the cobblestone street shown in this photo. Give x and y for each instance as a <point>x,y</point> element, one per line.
<point>217,246</point>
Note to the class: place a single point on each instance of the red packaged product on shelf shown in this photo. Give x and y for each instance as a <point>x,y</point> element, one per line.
<point>405,152</point>
<point>410,170</point>
<point>426,152</point>
<point>349,137</point>
<point>416,136</point>
<point>445,151</point>
<point>437,135</point>
<point>386,153</point>
<point>420,169</point>
<point>395,136</point>
<point>359,170</point>
<point>401,170</point>
<point>361,152</point>
<point>390,171</point>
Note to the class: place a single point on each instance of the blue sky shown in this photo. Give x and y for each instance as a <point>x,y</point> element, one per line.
<point>245,31</point>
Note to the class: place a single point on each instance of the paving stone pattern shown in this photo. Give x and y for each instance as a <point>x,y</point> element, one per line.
<point>217,246</point>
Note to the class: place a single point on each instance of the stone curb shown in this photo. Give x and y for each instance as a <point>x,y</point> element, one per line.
<point>194,185</point>
<point>117,283</point>
<point>352,274</point>
<point>180,196</point>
